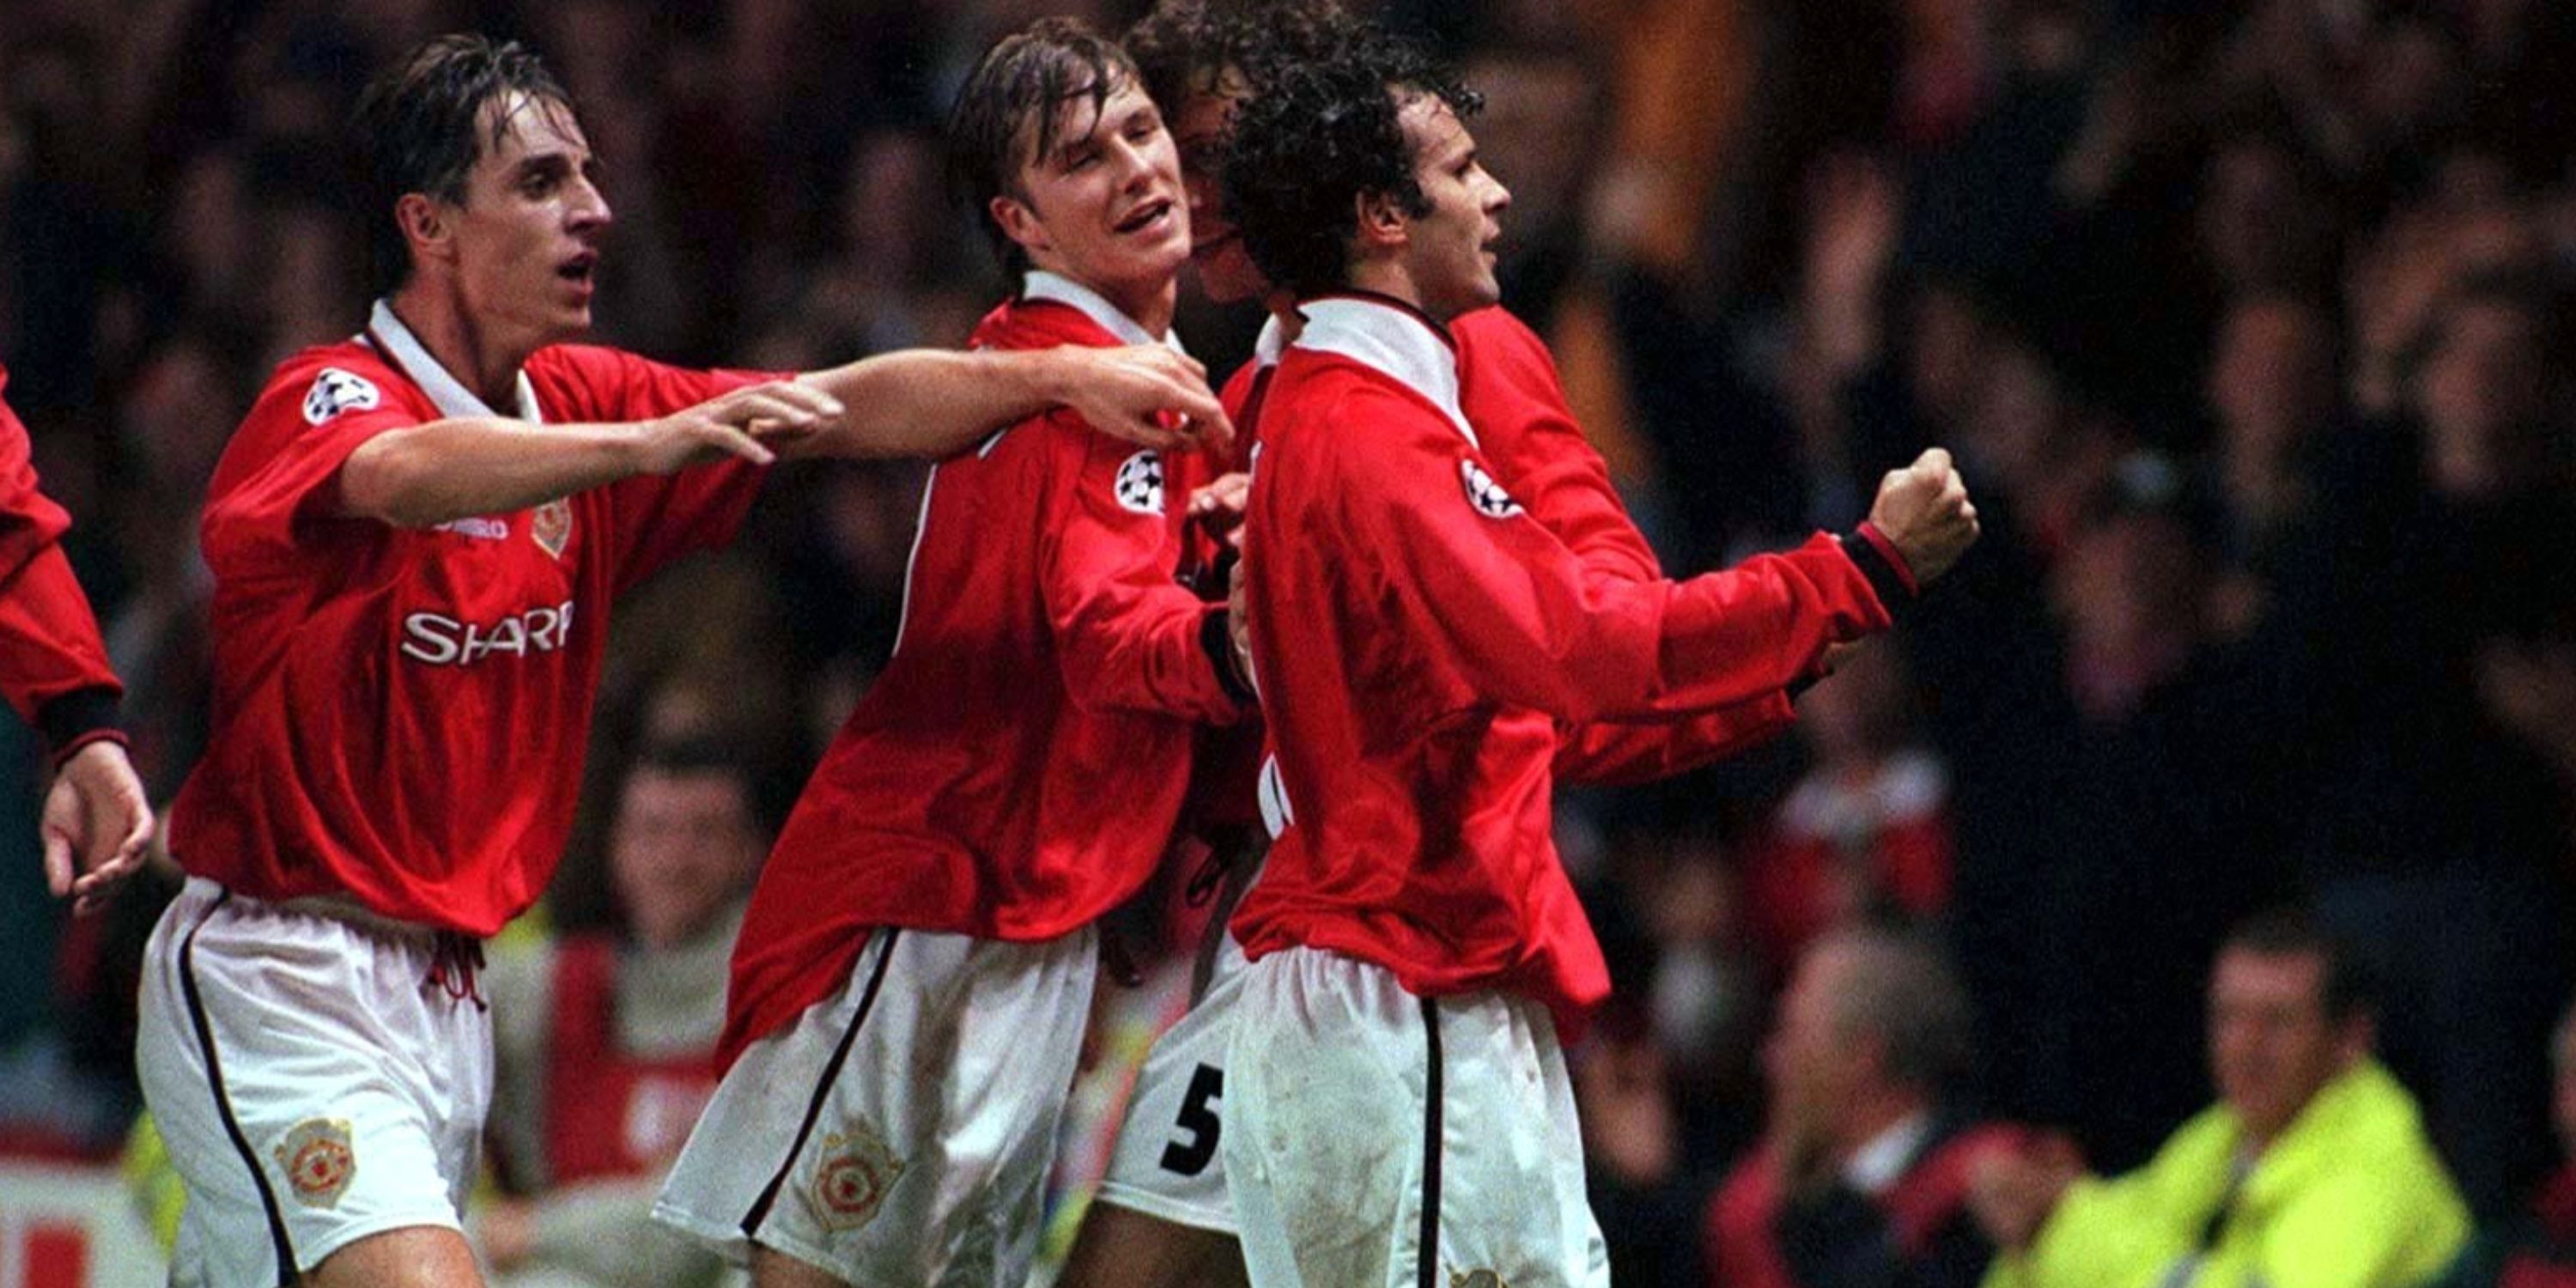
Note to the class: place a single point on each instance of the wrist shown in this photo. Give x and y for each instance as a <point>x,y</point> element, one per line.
<point>78,719</point>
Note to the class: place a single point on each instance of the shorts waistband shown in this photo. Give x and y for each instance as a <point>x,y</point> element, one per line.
<point>342,908</point>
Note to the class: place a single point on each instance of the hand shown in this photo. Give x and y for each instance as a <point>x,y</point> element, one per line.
<point>1627,1113</point>
<point>1923,509</point>
<point>95,825</point>
<point>1145,394</point>
<point>747,422</point>
<point>1218,507</point>
<point>2012,1193</point>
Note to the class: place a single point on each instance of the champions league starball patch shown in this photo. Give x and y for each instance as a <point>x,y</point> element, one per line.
<point>318,1161</point>
<point>1140,483</point>
<point>1485,494</point>
<point>335,391</point>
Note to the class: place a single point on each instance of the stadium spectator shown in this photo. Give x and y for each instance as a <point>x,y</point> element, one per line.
<point>604,1042</point>
<point>2313,1168</point>
<point>1863,1177</point>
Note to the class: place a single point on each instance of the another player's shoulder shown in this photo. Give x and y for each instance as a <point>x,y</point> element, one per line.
<point>1493,343</point>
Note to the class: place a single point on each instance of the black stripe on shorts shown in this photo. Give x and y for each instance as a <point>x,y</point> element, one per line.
<point>822,1090</point>
<point>286,1276</point>
<point>1429,1256</point>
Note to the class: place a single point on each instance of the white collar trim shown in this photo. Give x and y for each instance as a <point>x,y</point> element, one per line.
<point>1043,285</point>
<point>1389,340</point>
<point>1272,342</point>
<point>453,399</point>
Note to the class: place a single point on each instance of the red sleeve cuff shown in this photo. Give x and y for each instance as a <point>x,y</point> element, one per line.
<point>1887,549</point>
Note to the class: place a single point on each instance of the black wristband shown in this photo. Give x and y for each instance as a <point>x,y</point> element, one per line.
<point>1893,593</point>
<point>77,718</point>
<point>1216,639</point>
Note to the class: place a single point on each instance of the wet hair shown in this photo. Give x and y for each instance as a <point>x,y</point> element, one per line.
<point>421,124</point>
<point>2296,932</point>
<point>1183,47</point>
<point>1014,93</point>
<point>1315,139</point>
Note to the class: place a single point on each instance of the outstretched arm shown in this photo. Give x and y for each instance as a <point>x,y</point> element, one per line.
<point>936,403</point>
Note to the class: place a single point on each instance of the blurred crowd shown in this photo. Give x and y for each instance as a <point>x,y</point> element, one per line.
<point>2249,323</point>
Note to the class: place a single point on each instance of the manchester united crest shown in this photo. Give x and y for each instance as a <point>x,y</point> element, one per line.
<point>551,525</point>
<point>318,1161</point>
<point>851,1182</point>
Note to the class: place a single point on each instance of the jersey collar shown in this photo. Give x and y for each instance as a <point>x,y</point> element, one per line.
<point>1267,346</point>
<point>1043,285</point>
<point>403,349</point>
<point>1388,337</point>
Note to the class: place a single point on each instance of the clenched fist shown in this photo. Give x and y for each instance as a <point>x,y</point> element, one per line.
<point>1924,511</point>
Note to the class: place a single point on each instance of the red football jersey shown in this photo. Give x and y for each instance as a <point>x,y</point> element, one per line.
<point>49,641</point>
<point>1420,639</point>
<point>400,714</point>
<point>1019,767</point>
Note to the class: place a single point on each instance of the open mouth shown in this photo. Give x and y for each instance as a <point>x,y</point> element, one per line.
<point>580,268</point>
<point>1143,217</point>
<point>1214,244</point>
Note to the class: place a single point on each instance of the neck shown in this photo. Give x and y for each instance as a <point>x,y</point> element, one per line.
<point>1387,277</point>
<point>1875,1113</point>
<point>1147,304</point>
<point>480,356</point>
<point>1283,309</point>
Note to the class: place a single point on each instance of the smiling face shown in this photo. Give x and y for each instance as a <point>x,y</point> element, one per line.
<point>524,242</point>
<point>1104,205</point>
<point>1449,249</point>
<point>1225,268</point>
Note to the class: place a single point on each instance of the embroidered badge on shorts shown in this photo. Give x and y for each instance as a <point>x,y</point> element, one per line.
<point>318,1161</point>
<point>1140,483</point>
<point>1476,1279</point>
<point>335,391</point>
<point>851,1183</point>
<point>1484,493</point>
<point>551,525</point>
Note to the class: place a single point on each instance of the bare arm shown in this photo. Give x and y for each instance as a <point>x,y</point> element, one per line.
<point>936,402</point>
<point>451,469</point>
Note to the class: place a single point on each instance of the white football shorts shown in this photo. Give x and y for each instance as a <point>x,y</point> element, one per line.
<point>901,1130</point>
<point>320,1075</point>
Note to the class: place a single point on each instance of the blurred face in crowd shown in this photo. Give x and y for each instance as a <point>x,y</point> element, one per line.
<point>2562,1097</point>
<point>524,243</point>
<point>2273,378</point>
<point>1449,251</point>
<point>1199,129</point>
<point>2483,395</point>
<point>1105,206</point>
<point>2271,1043</point>
<point>1816,1068</point>
<point>684,845</point>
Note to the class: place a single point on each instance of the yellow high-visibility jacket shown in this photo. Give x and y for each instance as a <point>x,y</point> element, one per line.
<point>2350,1196</point>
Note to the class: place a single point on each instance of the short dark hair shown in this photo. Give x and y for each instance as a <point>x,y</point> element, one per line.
<point>753,766</point>
<point>1902,990</point>
<point>419,127</point>
<point>2296,932</point>
<point>1014,92</point>
<point>1183,46</point>
<point>1316,138</point>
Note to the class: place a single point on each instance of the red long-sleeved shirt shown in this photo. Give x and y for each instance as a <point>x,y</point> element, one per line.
<point>1020,765</point>
<point>53,665</point>
<point>1421,640</point>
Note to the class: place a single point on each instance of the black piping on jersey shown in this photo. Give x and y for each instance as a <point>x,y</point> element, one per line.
<point>1428,1256</point>
<point>286,1276</point>
<point>822,1089</point>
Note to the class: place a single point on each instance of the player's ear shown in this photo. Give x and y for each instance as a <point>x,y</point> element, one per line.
<point>1382,221</point>
<point>425,226</point>
<point>1019,223</point>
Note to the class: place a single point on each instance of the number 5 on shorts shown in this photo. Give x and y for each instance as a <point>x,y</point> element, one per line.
<point>1198,1118</point>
